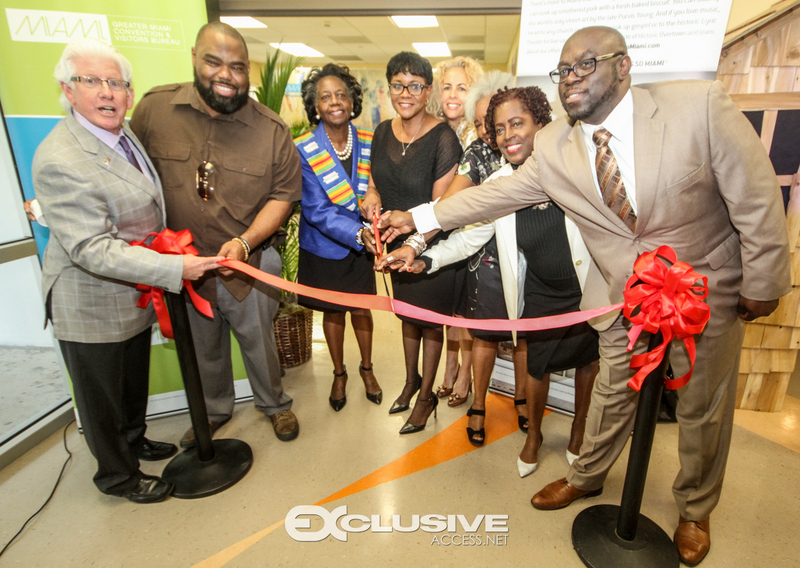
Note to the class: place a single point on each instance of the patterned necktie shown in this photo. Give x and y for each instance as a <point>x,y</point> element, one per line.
<point>123,143</point>
<point>610,180</point>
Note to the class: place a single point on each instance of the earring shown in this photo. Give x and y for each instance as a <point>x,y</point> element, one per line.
<point>317,117</point>
<point>352,114</point>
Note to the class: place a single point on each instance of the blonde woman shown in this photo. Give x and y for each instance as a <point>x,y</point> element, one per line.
<point>452,80</point>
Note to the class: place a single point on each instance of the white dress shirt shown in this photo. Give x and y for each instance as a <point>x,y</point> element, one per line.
<point>112,141</point>
<point>620,124</point>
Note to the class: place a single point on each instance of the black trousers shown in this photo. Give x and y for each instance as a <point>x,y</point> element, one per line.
<point>110,382</point>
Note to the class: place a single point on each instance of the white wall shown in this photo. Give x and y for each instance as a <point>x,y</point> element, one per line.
<point>21,307</point>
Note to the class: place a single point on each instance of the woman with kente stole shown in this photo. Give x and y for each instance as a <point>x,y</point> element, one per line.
<point>333,240</point>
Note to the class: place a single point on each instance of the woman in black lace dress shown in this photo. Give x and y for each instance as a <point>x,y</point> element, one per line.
<point>414,159</point>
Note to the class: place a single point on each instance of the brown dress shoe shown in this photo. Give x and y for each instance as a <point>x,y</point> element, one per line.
<point>189,440</point>
<point>285,425</point>
<point>559,494</point>
<point>693,540</point>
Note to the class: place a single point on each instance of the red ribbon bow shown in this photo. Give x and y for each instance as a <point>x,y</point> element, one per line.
<point>169,242</point>
<point>665,298</point>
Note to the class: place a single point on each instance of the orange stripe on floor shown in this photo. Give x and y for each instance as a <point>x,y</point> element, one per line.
<point>450,443</point>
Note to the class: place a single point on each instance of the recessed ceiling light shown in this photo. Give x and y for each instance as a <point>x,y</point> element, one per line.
<point>298,49</point>
<point>242,22</point>
<point>416,21</point>
<point>432,49</point>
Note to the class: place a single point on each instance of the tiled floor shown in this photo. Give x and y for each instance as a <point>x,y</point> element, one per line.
<point>31,380</point>
<point>356,459</point>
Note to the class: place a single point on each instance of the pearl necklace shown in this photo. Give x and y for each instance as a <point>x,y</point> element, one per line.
<point>405,146</point>
<point>344,154</point>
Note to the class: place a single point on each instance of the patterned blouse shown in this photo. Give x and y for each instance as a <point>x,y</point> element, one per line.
<point>479,162</point>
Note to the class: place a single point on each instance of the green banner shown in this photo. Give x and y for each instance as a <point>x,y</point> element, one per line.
<point>157,37</point>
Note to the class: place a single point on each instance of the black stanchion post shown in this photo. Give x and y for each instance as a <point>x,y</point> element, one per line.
<point>213,465</point>
<point>641,445</point>
<point>621,537</point>
<point>187,359</point>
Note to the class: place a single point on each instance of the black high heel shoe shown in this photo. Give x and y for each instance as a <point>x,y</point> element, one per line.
<point>376,397</point>
<point>409,428</point>
<point>473,434</point>
<point>521,420</point>
<point>338,403</point>
<point>399,407</point>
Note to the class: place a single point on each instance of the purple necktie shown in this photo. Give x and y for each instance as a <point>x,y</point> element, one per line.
<point>123,143</point>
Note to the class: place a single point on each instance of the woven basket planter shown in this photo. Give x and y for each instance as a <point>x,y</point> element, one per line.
<point>293,336</point>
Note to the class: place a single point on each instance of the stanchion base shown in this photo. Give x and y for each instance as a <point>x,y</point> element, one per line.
<point>598,546</point>
<point>194,478</point>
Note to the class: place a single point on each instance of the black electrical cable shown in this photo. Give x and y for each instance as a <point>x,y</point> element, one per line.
<point>63,467</point>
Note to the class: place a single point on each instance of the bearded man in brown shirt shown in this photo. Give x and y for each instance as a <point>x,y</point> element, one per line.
<point>230,174</point>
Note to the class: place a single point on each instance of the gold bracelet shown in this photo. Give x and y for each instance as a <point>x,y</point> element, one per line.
<point>244,247</point>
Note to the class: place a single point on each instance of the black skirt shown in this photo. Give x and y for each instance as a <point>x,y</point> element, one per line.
<point>352,274</point>
<point>484,298</point>
<point>432,292</point>
<point>552,288</point>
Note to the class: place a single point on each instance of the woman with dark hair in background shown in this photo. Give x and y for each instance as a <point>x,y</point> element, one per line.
<point>336,163</point>
<point>543,260</point>
<point>414,160</point>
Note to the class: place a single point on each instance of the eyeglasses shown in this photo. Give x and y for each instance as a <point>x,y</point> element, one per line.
<point>204,189</point>
<point>582,68</point>
<point>413,89</point>
<point>93,82</point>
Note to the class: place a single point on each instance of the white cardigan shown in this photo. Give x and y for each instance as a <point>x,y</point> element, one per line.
<point>466,241</point>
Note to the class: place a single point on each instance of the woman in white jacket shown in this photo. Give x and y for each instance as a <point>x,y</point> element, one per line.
<point>543,265</point>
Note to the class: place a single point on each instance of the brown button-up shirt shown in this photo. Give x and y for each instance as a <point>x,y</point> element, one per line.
<point>254,161</point>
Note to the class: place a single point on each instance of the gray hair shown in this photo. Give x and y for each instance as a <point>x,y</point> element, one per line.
<point>87,48</point>
<point>489,84</point>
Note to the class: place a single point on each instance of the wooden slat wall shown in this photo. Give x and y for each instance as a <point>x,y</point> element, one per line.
<point>762,72</point>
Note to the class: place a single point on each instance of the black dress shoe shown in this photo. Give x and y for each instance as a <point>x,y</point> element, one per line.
<point>154,451</point>
<point>150,489</point>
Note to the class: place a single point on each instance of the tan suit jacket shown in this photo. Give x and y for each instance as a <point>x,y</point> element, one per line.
<point>704,186</point>
<point>96,203</point>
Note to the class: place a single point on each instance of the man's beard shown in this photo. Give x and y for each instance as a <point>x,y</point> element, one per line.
<point>220,104</point>
<point>582,114</point>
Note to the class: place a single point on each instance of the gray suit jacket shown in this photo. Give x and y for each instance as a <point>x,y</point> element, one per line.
<point>96,202</point>
<point>704,186</point>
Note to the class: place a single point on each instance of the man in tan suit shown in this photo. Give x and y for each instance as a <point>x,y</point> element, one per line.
<point>685,169</point>
<point>99,191</point>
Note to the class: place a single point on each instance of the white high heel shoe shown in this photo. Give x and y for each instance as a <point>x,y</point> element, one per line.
<point>571,457</point>
<point>525,469</point>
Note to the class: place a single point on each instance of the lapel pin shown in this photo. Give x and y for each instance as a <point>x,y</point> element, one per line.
<point>108,160</point>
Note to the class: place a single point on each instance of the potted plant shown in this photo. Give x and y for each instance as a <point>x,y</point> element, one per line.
<point>293,323</point>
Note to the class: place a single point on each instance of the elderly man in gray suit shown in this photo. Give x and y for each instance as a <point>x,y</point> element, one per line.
<point>99,192</point>
<point>671,163</point>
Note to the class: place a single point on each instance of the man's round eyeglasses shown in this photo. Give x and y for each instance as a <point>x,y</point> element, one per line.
<point>581,68</point>
<point>398,88</point>
<point>92,82</point>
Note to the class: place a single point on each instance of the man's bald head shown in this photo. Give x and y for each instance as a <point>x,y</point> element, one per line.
<point>608,39</point>
<point>221,28</point>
